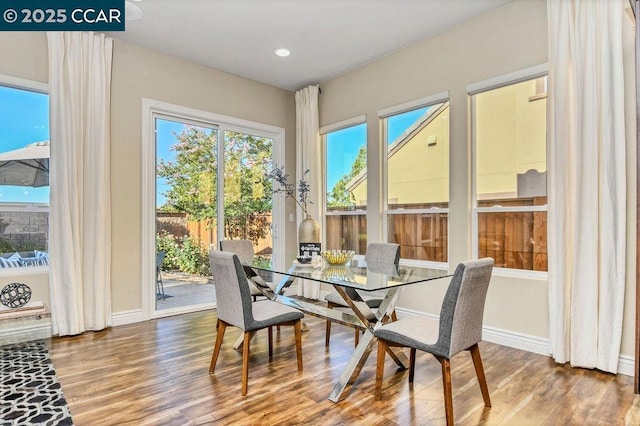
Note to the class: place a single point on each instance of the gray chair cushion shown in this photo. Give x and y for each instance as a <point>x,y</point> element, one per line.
<point>362,307</point>
<point>415,332</point>
<point>336,299</point>
<point>267,313</point>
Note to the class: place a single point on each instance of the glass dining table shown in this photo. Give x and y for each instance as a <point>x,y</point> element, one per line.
<point>351,281</point>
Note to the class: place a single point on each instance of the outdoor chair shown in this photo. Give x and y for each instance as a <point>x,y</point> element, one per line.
<point>159,285</point>
<point>245,252</point>
<point>235,308</point>
<point>460,329</point>
<point>378,254</point>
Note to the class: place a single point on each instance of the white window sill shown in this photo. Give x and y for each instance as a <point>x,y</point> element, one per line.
<point>520,273</point>
<point>23,270</point>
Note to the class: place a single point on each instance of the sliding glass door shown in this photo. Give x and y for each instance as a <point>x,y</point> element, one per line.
<point>210,185</point>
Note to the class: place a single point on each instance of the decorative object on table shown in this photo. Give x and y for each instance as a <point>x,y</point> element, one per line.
<point>341,273</point>
<point>317,262</point>
<point>338,257</point>
<point>15,295</point>
<point>308,230</point>
<point>308,250</point>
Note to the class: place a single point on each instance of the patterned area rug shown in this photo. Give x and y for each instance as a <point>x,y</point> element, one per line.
<point>30,393</point>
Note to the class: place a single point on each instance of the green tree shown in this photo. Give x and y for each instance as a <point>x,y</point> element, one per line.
<point>192,180</point>
<point>340,196</point>
<point>247,192</point>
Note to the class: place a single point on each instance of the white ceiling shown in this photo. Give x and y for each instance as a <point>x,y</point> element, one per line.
<point>326,38</point>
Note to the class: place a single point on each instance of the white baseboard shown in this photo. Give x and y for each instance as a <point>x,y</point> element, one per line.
<point>525,342</point>
<point>626,365</point>
<point>24,329</point>
<point>41,330</point>
<point>127,317</point>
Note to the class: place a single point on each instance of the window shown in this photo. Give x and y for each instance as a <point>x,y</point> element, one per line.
<point>510,170</point>
<point>345,169</point>
<point>24,174</point>
<point>417,180</point>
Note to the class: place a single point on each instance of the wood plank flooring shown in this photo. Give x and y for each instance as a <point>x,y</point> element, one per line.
<point>156,373</point>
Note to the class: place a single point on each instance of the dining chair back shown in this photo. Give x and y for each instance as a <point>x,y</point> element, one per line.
<point>236,308</point>
<point>381,255</point>
<point>243,248</point>
<point>245,252</point>
<point>459,329</point>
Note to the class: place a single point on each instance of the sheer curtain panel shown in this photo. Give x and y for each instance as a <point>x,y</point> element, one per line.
<point>80,218</point>
<point>587,182</point>
<point>308,155</point>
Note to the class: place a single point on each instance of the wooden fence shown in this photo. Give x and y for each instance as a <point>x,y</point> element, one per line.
<point>514,239</point>
<point>179,225</point>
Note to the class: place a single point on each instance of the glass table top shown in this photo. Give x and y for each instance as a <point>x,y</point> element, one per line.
<point>358,275</point>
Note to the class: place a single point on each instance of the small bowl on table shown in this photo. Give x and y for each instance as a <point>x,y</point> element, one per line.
<point>337,257</point>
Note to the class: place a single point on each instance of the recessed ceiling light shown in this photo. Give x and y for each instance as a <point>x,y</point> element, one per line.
<point>282,52</point>
<point>132,12</point>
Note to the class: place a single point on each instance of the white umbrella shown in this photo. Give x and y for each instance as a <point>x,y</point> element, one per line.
<point>28,166</point>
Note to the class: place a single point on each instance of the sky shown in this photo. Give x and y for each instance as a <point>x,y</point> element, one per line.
<point>343,145</point>
<point>24,119</point>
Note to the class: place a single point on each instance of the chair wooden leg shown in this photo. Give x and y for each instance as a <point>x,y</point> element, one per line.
<point>270,342</point>
<point>222,326</point>
<point>412,363</point>
<point>446,386</point>
<point>477,363</point>
<point>297,328</point>
<point>382,349</point>
<point>357,337</point>
<point>394,316</point>
<point>327,333</point>
<point>245,361</point>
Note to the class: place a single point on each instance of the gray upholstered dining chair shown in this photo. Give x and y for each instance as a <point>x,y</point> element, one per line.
<point>460,329</point>
<point>235,308</point>
<point>379,254</point>
<point>245,252</point>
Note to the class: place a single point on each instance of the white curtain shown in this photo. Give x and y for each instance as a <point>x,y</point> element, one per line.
<point>308,156</point>
<point>80,218</point>
<point>587,186</point>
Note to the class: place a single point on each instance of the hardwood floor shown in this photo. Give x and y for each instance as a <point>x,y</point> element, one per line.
<point>156,373</point>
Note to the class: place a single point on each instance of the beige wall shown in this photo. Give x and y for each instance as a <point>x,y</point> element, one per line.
<point>508,39</point>
<point>142,73</point>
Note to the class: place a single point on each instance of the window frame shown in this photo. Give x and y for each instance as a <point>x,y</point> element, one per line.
<point>42,88</point>
<point>152,109</point>
<point>383,114</point>
<point>520,76</point>
<point>324,132</point>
